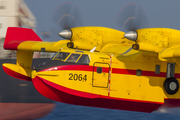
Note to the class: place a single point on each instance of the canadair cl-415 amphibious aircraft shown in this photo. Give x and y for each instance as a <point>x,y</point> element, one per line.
<point>102,67</point>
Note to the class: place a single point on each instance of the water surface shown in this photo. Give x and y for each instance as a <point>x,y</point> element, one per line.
<point>74,112</point>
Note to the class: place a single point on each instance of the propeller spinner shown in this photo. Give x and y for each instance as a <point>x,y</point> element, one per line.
<point>131,35</point>
<point>66,34</point>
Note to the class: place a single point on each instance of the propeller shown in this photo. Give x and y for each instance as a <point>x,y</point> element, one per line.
<point>66,16</point>
<point>131,18</point>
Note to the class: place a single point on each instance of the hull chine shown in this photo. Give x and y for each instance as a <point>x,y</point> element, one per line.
<point>70,96</point>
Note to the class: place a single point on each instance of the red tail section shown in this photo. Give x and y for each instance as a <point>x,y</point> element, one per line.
<point>15,36</point>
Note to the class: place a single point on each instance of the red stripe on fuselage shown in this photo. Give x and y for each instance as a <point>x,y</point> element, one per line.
<point>76,67</point>
<point>106,70</point>
<point>133,72</point>
<point>70,67</point>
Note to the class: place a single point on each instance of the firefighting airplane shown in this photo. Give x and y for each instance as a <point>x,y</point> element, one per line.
<point>137,70</point>
<point>102,67</point>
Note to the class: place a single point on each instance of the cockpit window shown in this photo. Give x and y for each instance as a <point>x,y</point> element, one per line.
<point>54,55</point>
<point>84,59</point>
<point>61,56</point>
<point>73,58</point>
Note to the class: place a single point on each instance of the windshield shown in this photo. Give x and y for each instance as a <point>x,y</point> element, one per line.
<point>61,56</point>
<point>79,58</point>
<point>73,58</point>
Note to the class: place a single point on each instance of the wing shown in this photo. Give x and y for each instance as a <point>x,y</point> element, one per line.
<point>118,49</point>
<point>42,46</point>
<point>171,52</point>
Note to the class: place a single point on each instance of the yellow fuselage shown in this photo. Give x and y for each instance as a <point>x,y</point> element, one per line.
<point>131,78</point>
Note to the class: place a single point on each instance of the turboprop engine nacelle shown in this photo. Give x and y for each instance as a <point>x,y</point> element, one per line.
<point>153,39</point>
<point>90,37</point>
<point>144,46</point>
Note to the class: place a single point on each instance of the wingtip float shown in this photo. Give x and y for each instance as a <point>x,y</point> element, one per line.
<point>108,73</point>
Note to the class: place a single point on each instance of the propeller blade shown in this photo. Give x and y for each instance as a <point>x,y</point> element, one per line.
<point>131,18</point>
<point>67,16</point>
<point>141,20</point>
<point>61,15</point>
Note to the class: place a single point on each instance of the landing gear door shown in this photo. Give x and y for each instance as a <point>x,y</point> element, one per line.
<point>100,76</point>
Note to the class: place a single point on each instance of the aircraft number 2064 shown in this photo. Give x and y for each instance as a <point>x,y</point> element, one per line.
<point>79,77</point>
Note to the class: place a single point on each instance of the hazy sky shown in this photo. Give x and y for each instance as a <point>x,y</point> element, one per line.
<point>160,13</point>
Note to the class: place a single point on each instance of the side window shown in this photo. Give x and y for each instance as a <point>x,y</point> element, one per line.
<point>61,56</point>
<point>84,59</point>
<point>99,70</point>
<point>73,58</point>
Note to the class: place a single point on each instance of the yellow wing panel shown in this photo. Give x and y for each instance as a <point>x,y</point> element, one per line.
<point>118,49</point>
<point>43,46</point>
<point>170,52</point>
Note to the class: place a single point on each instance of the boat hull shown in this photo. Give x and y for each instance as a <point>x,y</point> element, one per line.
<point>66,95</point>
<point>16,111</point>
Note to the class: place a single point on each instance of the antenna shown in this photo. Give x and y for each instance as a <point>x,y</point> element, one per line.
<point>92,50</point>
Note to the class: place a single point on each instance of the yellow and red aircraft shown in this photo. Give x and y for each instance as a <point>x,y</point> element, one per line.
<point>102,67</point>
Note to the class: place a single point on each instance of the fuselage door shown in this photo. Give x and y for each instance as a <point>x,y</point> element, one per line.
<point>100,76</point>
